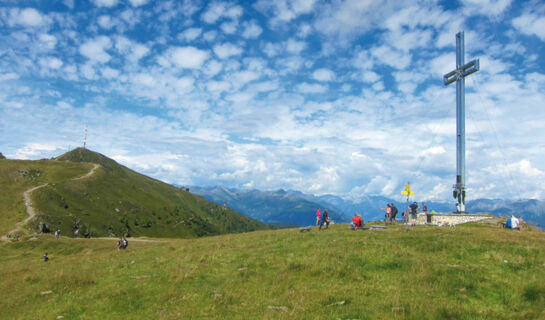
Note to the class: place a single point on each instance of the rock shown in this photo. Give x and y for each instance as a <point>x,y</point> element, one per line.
<point>338,303</point>
<point>60,317</point>
<point>116,210</point>
<point>46,292</point>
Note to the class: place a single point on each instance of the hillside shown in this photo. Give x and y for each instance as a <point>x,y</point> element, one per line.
<point>114,200</point>
<point>273,207</point>
<point>468,272</point>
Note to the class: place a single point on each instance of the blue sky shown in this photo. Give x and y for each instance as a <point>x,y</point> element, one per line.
<point>338,97</point>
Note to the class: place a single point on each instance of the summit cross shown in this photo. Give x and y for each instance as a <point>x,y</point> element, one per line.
<point>458,75</point>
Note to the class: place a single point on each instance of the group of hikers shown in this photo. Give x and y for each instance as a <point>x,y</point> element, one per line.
<point>411,211</point>
<point>322,218</point>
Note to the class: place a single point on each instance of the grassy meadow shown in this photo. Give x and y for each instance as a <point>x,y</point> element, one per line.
<point>467,272</point>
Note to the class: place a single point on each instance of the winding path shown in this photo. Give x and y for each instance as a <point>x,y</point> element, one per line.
<point>30,210</point>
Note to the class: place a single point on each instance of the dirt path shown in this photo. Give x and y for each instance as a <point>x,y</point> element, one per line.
<point>88,174</point>
<point>30,210</point>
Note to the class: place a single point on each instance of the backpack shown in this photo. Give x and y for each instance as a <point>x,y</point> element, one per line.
<point>508,223</point>
<point>394,211</point>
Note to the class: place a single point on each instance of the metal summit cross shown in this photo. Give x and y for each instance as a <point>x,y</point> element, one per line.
<point>458,75</point>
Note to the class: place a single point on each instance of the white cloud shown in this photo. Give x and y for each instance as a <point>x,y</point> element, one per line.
<point>294,46</point>
<point>391,57</point>
<point>242,77</point>
<point>105,22</point>
<point>216,10</point>
<point>110,73</point>
<point>323,75</point>
<point>137,3</point>
<point>105,3</point>
<point>227,50</point>
<point>229,27</point>
<point>133,51</point>
<point>486,7</point>
<point>26,17</point>
<point>187,57</point>
<point>311,88</point>
<point>190,34</point>
<point>210,35</point>
<point>212,68</point>
<point>531,24</point>
<point>251,30</point>
<point>8,76</point>
<point>50,62</point>
<point>48,40</point>
<point>370,76</point>
<point>284,11</point>
<point>345,19</point>
<point>95,49</point>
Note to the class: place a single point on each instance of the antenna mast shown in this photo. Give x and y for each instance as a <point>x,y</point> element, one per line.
<point>85,138</point>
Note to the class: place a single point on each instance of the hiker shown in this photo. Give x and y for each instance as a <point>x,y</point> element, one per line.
<point>76,233</point>
<point>324,219</point>
<point>393,214</point>
<point>57,233</point>
<point>388,213</point>
<point>46,257</point>
<point>514,223</point>
<point>424,208</point>
<point>405,216</point>
<point>125,243</point>
<point>119,244</point>
<point>356,222</point>
<point>414,211</point>
<point>318,214</point>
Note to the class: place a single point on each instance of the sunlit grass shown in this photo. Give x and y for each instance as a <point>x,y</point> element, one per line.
<point>427,273</point>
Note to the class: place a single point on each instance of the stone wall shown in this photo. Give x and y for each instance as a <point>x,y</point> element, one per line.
<point>450,219</point>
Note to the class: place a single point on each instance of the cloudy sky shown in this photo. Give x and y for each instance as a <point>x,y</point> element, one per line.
<point>342,97</point>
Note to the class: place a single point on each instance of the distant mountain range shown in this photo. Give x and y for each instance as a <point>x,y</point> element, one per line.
<point>296,208</point>
<point>280,208</point>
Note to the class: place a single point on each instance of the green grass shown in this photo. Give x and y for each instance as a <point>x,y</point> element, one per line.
<point>16,176</point>
<point>467,272</point>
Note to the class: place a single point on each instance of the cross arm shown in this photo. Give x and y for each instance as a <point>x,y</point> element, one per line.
<point>463,71</point>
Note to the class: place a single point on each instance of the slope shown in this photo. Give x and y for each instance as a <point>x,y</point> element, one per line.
<point>467,272</point>
<point>115,200</point>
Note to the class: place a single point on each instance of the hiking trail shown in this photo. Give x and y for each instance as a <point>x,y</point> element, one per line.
<point>30,210</point>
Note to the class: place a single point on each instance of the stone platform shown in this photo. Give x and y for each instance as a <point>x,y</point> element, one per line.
<point>450,219</point>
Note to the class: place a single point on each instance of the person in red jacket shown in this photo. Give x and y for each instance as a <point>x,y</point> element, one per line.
<point>356,222</point>
<point>318,215</point>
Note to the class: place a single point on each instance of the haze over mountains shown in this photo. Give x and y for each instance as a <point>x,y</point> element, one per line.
<point>293,207</point>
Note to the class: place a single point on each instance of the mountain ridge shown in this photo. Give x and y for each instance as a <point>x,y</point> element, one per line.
<point>369,206</point>
<point>114,201</point>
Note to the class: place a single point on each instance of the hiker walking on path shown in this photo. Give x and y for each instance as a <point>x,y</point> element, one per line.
<point>46,257</point>
<point>324,219</point>
<point>318,214</point>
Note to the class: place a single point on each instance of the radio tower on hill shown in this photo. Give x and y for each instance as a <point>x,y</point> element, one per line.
<point>85,138</point>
